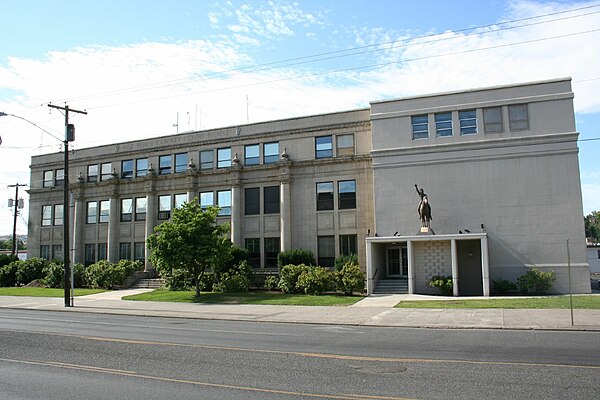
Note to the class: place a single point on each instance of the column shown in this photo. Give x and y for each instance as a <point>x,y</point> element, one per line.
<point>191,182</point>
<point>151,214</point>
<point>410,252</point>
<point>485,266</point>
<point>454,254</point>
<point>236,202</point>
<point>285,206</point>
<point>113,228</point>
<point>78,222</point>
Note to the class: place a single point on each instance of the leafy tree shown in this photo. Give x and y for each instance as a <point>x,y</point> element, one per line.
<point>7,244</point>
<point>191,241</point>
<point>592,225</point>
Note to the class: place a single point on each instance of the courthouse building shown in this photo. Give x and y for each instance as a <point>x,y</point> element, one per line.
<point>499,166</point>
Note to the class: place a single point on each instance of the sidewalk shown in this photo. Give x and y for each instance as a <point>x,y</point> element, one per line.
<point>372,311</point>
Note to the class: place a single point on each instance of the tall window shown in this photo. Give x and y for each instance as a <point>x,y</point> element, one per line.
<point>46,215</point>
<point>326,250</point>
<point>45,251</point>
<point>271,152</point>
<point>518,117</point>
<point>57,253</point>
<point>324,196</point>
<point>468,122</point>
<point>124,251</point>
<point>271,251</point>
<point>141,167</point>
<point>224,201</point>
<point>58,214</point>
<point>492,120</point>
<point>164,165</point>
<point>346,194</point>
<point>252,154</point>
<point>126,169</point>
<point>180,199</point>
<point>252,201</point>
<point>164,206</point>
<point>348,245</point>
<point>345,145</point>
<point>48,179</point>
<point>59,177</point>
<point>91,215</point>
<point>140,208</point>
<point>271,200</point>
<point>207,199</point>
<point>104,211</point>
<point>443,124</point>
<point>420,126</point>
<point>253,247</point>
<point>102,251</point>
<point>92,173</point>
<point>139,251</point>
<point>181,162</point>
<point>323,147</point>
<point>126,210</point>
<point>206,159</point>
<point>105,171</point>
<point>224,158</point>
<point>90,254</point>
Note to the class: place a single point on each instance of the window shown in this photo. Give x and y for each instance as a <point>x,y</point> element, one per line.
<point>348,245</point>
<point>323,147</point>
<point>180,199</point>
<point>252,155</point>
<point>91,212</point>
<point>271,152</point>
<point>492,120</point>
<point>57,253</point>
<point>206,159</point>
<point>346,194</point>
<point>181,162</point>
<point>468,122</point>
<point>599,254</point>
<point>90,254</point>
<point>164,165</point>
<point>104,211</point>
<point>141,167</point>
<point>140,208</point>
<point>443,124</point>
<point>48,179</point>
<point>518,117</point>
<point>224,201</point>
<point>92,173</point>
<point>253,247</point>
<point>139,251</point>
<point>58,214</point>
<point>164,206</point>
<point>46,215</point>
<point>60,177</point>
<point>252,201</point>
<point>126,169</point>
<point>105,171</point>
<point>326,250</point>
<point>271,200</point>
<point>271,252</point>
<point>102,250</point>
<point>126,210</point>
<point>224,158</point>
<point>207,199</point>
<point>324,196</point>
<point>45,252</point>
<point>124,251</point>
<point>420,126</point>
<point>345,145</point>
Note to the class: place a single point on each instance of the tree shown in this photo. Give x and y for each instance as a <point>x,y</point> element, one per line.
<point>192,241</point>
<point>592,225</point>
<point>7,244</point>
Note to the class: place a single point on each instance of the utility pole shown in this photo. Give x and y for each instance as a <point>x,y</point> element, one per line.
<point>18,204</point>
<point>69,137</point>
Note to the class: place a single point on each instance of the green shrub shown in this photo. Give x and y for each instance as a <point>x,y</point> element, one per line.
<point>8,274</point>
<point>536,281</point>
<point>316,280</point>
<point>443,283</point>
<point>350,278</point>
<point>54,275</point>
<point>178,279</point>
<point>295,257</point>
<point>107,275</point>
<point>288,277</point>
<point>271,282</point>
<point>231,283</point>
<point>342,260</point>
<point>28,270</point>
<point>6,259</point>
<point>503,286</point>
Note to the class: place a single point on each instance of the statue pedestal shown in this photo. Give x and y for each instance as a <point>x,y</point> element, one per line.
<point>426,231</point>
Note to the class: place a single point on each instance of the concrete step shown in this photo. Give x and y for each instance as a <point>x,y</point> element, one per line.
<point>148,284</point>
<point>391,286</point>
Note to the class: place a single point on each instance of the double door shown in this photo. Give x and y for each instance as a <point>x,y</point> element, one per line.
<point>397,262</point>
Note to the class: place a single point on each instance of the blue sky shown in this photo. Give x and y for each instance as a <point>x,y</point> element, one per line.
<point>136,66</point>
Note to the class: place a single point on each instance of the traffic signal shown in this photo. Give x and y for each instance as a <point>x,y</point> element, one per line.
<point>70,133</point>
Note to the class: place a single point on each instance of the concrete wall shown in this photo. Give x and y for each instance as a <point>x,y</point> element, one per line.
<point>593,254</point>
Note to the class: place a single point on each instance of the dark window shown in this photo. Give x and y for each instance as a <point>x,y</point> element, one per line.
<point>492,120</point>
<point>90,254</point>
<point>224,202</point>
<point>124,251</point>
<point>46,215</point>
<point>252,155</point>
<point>126,210</point>
<point>45,251</point>
<point>324,196</point>
<point>58,214</point>
<point>468,122</point>
<point>253,247</point>
<point>181,162</point>
<point>206,159</point>
<point>164,206</point>
<point>59,177</point>
<point>91,213</point>
<point>346,194</point>
<point>207,199</point>
<point>271,199</point>
<point>102,250</point>
<point>105,171</point>
<point>443,124</point>
<point>348,245</point>
<point>345,145</point>
<point>57,253</point>
<point>323,147</point>
<point>140,208</point>
<point>139,251</point>
<point>104,211</point>
<point>420,126</point>
<point>126,169</point>
<point>252,201</point>
<point>518,117</point>
<point>271,152</point>
<point>92,173</point>
<point>48,178</point>
<point>326,250</point>
<point>224,158</point>
<point>271,252</point>
<point>164,165</point>
<point>141,167</point>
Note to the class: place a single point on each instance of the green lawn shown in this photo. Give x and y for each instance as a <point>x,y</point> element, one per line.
<point>44,292</point>
<point>273,298</point>
<point>589,302</point>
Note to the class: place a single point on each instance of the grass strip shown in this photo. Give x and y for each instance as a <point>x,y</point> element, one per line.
<point>44,292</point>
<point>555,302</point>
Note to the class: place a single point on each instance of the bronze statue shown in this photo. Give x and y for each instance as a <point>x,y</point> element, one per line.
<point>424,208</point>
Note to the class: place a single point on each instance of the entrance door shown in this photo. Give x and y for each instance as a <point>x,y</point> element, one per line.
<point>469,268</point>
<point>397,262</point>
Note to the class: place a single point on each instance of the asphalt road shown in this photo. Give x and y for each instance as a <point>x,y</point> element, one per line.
<point>56,355</point>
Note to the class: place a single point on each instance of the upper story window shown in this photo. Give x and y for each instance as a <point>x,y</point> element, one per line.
<point>323,146</point>
<point>207,199</point>
<point>443,124</point>
<point>181,162</point>
<point>346,194</point>
<point>91,214</point>
<point>271,152</point>
<point>58,214</point>
<point>207,158</point>
<point>104,211</point>
<point>518,117</point>
<point>48,179</point>
<point>179,199</point>
<point>252,201</point>
<point>420,126</point>
<point>271,200</point>
<point>492,120</point>
<point>105,171</point>
<point>46,215</point>
<point>224,201</point>
<point>324,196</point>
<point>164,206</point>
<point>59,177</point>
<point>468,122</point>
<point>141,204</point>
<point>344,145</point>
<point>252,154</point>
<point>164,165</point>
<point>92,173</point>
<point>126,210</point>
<point>141,167</point>
<point>126,169</point>
<point>224,158</point>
